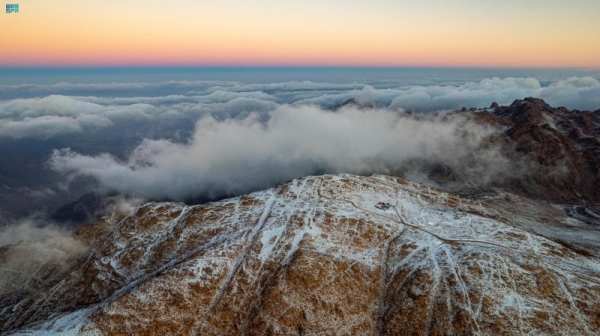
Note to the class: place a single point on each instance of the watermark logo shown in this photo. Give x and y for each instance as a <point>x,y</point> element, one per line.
<point>12,8</point>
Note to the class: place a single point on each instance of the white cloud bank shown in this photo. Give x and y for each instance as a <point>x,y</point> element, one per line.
<point>235,156</point>
<point>574,93</point>
<point>54,115</point>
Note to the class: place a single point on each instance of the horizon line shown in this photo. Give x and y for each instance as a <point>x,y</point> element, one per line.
<point>250,66</point>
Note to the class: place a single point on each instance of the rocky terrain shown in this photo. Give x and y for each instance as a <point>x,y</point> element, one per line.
<point>346,254</point>
<point>337,254</point>
<point>564,145</point>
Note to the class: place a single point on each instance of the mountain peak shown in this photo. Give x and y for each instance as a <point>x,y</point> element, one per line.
<point>323,255</point>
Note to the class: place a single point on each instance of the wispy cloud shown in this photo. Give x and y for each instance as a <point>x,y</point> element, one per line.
<point>37,249</point>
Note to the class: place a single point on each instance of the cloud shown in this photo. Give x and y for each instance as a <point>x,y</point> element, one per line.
<point>124,101</point>
<point>138,111</point>
<point>49,116</point>
<point>226,96</point>
<point>48,126</point>
<point>37,193</point>
<point>121,205</point>
<point>367,96</point>
<point>103,88</point>
<point>93,121</point>
<point>40,127</point>
<point>33,248</point>
<point>235,107</point>
<point>235,156</point>
<point>57,115</point>
<point>574,93</point>
<point>48,106</point>
<point>19,117</point>
<point>35,251</point>
<point>581,93</point>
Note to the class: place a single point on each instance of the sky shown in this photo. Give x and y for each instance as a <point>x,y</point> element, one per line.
<point>438,33</point>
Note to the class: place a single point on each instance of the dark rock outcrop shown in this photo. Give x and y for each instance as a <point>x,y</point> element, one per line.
<point>86,209</point>
<point>563,145</point>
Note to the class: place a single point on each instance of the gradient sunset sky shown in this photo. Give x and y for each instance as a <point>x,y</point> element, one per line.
<point>461,33</point>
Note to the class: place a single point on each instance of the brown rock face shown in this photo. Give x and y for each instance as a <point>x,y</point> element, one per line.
<point>328,255</point>
<point>564,145</point>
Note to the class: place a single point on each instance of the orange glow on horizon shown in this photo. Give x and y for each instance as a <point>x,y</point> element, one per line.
<point>326,33</point>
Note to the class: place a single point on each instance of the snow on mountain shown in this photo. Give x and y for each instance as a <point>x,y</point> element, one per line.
<point>324,255</point>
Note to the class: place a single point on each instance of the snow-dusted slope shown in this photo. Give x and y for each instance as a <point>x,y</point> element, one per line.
<point>324,255</point>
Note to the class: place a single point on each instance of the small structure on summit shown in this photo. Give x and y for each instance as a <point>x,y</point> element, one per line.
<point>383,205</point>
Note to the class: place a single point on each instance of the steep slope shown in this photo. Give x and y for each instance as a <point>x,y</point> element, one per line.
<point>326,255</point>
<point>560,146</point>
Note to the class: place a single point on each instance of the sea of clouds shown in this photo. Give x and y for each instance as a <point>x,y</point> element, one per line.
<point>213,138</point>
<point>210,140</point>
<point>51,115</point>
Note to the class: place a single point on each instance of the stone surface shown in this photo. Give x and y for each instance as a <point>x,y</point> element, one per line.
<point>564,145</point>
<point>322,256</point>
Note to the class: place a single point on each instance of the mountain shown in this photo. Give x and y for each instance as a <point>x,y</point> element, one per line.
<point>563,144</point>
<point>84,210</point>
<point>333,254</point>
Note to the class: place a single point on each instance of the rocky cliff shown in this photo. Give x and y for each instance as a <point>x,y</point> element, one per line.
<point>325,255</point>
<point>563,144</point>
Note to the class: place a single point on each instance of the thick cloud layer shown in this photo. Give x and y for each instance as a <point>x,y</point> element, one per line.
<point>107,118</point>
<point>57,114</point>
<point>235,156</point>
<point>574,93</point>
<point>212,139</point>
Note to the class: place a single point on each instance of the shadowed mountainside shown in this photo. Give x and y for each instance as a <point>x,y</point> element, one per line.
<point>564,144</point>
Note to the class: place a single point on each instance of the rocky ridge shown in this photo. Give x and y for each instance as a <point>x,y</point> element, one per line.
<point>336,254</point>
<point>564,144</point>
